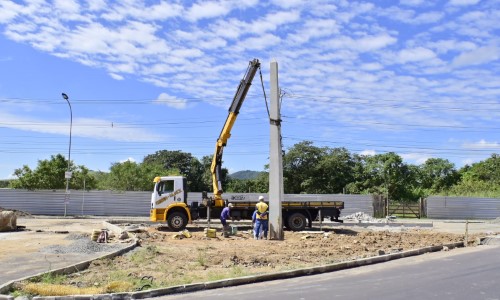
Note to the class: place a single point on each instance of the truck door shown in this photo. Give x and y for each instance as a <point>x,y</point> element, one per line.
<point>168,190</point>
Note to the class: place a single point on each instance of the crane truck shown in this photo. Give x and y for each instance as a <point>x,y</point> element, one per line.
<point>169,198</point>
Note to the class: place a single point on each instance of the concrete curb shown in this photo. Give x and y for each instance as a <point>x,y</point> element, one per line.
<point>5,288</point>
<point>188,288</point>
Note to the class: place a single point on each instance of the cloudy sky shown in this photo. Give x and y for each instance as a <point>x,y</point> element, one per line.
<point>420,78</point>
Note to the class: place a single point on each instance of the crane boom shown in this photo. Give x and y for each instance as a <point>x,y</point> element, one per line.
<point>225,133</point>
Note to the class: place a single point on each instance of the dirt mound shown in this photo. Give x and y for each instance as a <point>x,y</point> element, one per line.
<point>166,260</point>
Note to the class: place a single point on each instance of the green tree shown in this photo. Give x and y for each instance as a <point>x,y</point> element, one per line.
<point>81,178</point>
<point>334,171</point>
<point>438,175</point>
<point>487,170</point>
<point>260,184</point>
<point>50,174</point>
<point>4,183</point>
<point>126,176</point>
<point>299,167</point>
<point>388,175</point>
<point>187,166</point>
<point>482,179</point>
<point>131,176</point>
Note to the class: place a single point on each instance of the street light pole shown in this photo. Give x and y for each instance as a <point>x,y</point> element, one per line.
<point>68,174</point>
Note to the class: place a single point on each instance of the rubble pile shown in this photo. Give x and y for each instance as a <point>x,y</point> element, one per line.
<point>361,217</point>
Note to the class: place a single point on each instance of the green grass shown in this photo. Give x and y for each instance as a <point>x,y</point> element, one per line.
<point>145,255</point>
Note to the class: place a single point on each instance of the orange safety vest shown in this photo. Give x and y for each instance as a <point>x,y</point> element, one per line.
<point>262,212</point>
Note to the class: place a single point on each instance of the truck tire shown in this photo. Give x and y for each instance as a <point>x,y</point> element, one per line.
<point>177,221</point>
<point>296,222</point>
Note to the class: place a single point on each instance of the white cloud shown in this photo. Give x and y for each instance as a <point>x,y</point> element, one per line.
<point>428,17</point>
<point>208,9</point>
<point>368,152</point>
<point>116,76</point>
<point>96,5</point>
<point>259,43</point>
<point>371,43</point>
<point>288,3</point>
<point>364,44</point>
<point>171,101</point>
<point>130,159</point>
<point>372,66</point>
<point>411,2</point>
<point>445,46</point>
<point>312,29</point>
<point>82,127</point>
<point>462,2</point>
<point>482,144</point>
<point>417,158</point>
<point>8,11</point>
<point>477,56</point>
<point>138,11</point>
<point>67,7</point>
<point>415,54</point>
<point>347,50</point>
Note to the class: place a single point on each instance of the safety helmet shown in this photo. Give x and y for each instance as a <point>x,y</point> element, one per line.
<point>261,198</point>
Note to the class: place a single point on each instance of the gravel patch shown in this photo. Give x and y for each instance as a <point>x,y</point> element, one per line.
<point>77,236</point>
<point>82,245</point>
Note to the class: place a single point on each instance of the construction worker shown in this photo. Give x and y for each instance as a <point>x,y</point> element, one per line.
<point>254,219</point>
<point>225,214</point>
<point>261,219</point>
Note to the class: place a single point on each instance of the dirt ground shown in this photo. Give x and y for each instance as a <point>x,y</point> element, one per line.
<point>164,260</point>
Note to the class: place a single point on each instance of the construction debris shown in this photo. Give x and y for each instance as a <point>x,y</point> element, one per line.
<point>361,217</point>
<point>182,234</point>
<point>8,220</point>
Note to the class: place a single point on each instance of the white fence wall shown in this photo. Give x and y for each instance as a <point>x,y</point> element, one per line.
<point>462,208</point>
<point>109,203</point>
<point>96,203</point>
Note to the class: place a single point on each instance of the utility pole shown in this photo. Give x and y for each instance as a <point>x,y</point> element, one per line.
<point>276,190</point>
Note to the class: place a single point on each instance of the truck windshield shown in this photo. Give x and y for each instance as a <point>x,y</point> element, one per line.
<point>166,187</point>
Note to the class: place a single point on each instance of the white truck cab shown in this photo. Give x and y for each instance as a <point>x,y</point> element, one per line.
<point>169,202</point>
<point>168,190</point>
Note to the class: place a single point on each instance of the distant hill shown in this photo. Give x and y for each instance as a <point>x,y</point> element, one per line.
<point>247,174</point>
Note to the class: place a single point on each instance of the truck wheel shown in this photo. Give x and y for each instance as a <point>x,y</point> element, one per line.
<point>177,221</point>
<point>296,222</point>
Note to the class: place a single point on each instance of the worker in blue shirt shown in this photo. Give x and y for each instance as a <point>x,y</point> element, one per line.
<point>225,214</point>
<point>254,220</point>
<point>261,219</point>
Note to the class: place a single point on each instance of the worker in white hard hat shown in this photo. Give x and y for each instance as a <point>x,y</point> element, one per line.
<point>225,214</point>
<point>261,219</point>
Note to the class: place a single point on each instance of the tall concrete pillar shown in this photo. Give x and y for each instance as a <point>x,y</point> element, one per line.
<point>276,190</point>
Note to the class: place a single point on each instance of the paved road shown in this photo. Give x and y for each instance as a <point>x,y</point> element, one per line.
<point>21,252</point>
<point>461,274</point>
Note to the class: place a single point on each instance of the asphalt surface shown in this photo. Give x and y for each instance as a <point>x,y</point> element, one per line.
<point>461,274</point>
<point>21,252</point>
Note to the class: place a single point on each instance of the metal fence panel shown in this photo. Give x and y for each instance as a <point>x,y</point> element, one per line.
<point>110,203</point>
<point>95,203</point>
<point>439,207</point>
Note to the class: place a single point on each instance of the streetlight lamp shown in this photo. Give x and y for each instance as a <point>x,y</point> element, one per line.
<point>68,174</point>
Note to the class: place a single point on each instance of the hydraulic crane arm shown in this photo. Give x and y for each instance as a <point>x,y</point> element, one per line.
<point>225,134</point>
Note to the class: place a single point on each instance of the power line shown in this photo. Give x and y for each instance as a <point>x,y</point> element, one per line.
<point>358,123</point>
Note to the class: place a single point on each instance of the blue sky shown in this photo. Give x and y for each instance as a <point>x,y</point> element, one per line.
<point>420,78</point>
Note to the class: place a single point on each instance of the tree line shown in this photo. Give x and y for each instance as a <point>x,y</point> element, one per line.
<point>306,169</point>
